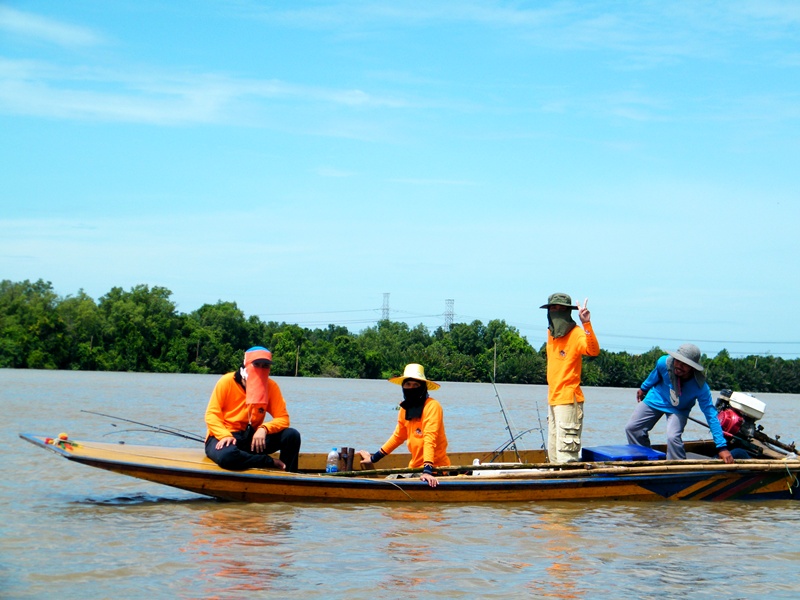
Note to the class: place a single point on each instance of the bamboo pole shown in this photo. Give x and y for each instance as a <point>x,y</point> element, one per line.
<point>546,470</point>
<point>653,470</point>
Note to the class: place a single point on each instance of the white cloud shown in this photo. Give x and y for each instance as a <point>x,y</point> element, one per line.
<point>44,89</point>
<point>34,26</point>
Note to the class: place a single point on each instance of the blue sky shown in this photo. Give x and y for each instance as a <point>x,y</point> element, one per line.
<point>302,159</point>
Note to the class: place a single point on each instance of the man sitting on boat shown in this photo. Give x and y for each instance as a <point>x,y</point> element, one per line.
<point>420,422</point>
<point>238,436</point>
<point>671,389</point>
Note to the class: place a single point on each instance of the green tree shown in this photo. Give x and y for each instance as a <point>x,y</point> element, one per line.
<point>139,328</point>
<point>83,331</point>
<point>395,343</point>
<point>217,336</point>
<point>721,372</point>
<point>31,332</point>
<point>613,370</point>
<point>347,356</point>
<point>286,346</point>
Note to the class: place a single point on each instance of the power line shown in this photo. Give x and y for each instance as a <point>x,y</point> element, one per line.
<point>316,312</point>
<point>643,337</point>
<point>449,318</point>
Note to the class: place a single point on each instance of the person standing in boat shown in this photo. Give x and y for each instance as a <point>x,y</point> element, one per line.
<point>238,436</point>
<point>567,344</point>
<point>672,388</point>
<point>420,423</point>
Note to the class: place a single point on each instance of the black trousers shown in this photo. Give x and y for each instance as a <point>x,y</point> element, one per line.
<point>238,456</point>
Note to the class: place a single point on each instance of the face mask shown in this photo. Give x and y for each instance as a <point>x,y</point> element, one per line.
<point>256,393</point>
<point>414,401</point>
<point>560,321</point>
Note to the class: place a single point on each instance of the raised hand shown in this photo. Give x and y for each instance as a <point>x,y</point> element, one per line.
<point>583,312</point>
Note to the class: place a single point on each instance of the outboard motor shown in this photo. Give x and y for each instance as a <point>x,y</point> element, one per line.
<point>738,413</point>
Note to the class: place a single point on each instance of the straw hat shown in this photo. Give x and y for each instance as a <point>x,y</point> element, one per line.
<point>417,372</point>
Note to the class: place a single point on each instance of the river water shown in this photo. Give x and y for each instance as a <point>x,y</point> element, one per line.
<point>70,530</point>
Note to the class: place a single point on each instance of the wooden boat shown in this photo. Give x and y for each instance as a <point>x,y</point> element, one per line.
<point>507,478</point>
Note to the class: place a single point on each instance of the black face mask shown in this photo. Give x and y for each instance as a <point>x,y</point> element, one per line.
<point>414,401</point>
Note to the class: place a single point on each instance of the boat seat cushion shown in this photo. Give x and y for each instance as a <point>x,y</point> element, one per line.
<point>621,452</point>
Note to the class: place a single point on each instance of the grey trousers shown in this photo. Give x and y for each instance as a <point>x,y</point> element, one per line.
<point>644,419</point>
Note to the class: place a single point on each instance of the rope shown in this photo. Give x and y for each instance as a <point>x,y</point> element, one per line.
<point>793,482</point>
<point>395,485</point>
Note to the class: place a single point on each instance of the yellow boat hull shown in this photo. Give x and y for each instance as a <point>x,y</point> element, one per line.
<point>532,481</point>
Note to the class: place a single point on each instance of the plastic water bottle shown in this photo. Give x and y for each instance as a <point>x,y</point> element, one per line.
<point>332,465</point>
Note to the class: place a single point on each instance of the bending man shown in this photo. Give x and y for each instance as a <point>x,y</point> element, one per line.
<point>671,389</point>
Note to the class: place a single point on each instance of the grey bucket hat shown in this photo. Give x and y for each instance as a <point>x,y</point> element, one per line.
<point>688,354</point>
<point>559,299</point>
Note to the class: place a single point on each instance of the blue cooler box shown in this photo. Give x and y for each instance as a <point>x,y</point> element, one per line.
<point>623,452</point>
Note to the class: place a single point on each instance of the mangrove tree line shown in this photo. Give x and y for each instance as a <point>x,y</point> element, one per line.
<point>141,330</point>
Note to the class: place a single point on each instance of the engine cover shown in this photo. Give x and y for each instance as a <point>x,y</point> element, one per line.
<point>747,405</point>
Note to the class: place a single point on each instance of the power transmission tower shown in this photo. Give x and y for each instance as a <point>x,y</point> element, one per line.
<point>448,314</point>
<point>385,310</point>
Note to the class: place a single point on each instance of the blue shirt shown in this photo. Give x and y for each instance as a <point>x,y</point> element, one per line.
<point>658,386</point>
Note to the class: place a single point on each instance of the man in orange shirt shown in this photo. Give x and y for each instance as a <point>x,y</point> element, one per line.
<point>238,436</point>
<point>566,345</point>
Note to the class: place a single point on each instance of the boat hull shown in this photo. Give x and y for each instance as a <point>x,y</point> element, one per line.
<point>190,470</point>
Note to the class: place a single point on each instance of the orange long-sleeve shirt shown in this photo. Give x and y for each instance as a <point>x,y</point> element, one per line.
<point>564,362</point>
<point>227,410</point>
<point>426,438</point>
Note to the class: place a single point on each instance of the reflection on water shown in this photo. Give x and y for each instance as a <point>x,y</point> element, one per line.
<point>561,544</point>
<point>76,531</point>
<point>224,542</point>
<point>406,545</point>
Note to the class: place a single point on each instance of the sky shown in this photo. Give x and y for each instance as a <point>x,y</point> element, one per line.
<point>322,162</point>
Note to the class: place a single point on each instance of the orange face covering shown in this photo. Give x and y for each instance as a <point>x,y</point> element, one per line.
<point>256,387</point>
<point>256,394</point>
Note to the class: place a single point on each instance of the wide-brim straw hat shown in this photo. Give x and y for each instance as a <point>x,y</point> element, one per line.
<point>417,372</point>
<point>688,354</point>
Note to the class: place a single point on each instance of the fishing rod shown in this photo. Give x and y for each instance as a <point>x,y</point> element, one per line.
<point>513,443</point>
<point>157,428</point>
<point>541,430</point>
<point>133,429</point>
<point>506,445</point>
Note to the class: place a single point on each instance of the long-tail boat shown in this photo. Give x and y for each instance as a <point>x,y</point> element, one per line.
<point>625,472</point>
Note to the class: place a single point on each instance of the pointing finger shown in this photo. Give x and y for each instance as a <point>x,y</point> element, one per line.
<point>585,303</point>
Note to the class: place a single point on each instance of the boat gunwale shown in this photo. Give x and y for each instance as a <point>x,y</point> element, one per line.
<point>596,471</point>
